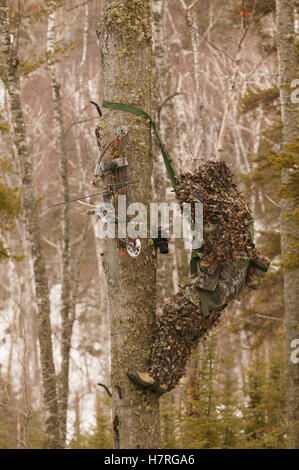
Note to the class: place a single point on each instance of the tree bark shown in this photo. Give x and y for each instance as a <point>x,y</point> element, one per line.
<point>12,82</point>
<point>66,304</point>
<point>125,40</point>
<point>287,72</point>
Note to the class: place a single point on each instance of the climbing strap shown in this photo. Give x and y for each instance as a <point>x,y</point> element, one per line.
<point>206,302</point>
<point>251,227</point>
<point>138,112</point>
<point>196,257</point>
<point>250,222</point>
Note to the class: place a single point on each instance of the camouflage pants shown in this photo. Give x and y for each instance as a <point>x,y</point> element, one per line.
<point>179,329</point>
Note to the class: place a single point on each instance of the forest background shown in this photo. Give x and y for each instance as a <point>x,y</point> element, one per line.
<point>234,393</point>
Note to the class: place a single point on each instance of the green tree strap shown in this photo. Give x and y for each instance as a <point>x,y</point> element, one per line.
<point>251,226</point>
<point>250,221</point>
<point>138,112</point>
<point>206,302</point>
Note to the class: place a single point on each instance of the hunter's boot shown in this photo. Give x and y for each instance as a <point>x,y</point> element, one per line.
<point>144,380</point>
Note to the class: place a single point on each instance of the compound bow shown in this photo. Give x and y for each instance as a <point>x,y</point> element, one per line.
<point>116,173</point>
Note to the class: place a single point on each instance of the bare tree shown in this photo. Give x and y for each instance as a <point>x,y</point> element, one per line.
<point>67,323</point>
<point>231,93</point>
<point>12,82</point>
<point>199,94</point>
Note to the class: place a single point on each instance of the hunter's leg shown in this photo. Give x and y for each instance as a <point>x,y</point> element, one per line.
<point>179,329</point>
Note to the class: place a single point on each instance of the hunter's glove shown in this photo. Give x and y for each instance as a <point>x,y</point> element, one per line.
<point>258,267</point>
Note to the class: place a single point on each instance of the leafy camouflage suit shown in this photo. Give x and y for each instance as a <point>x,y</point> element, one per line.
<point>189,315</point>
<point>194,310</point>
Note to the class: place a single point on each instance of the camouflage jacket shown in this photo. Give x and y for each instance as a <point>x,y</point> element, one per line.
<point>215,285</point>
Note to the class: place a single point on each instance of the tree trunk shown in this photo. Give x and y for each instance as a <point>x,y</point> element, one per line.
<point>287,71</point>
<point>161,92</point>
<point>66,304</point>
<point>125,40</point>
<point>12,82</point>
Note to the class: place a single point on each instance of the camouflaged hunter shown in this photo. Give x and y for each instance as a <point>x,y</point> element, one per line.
<point>221,269</point>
